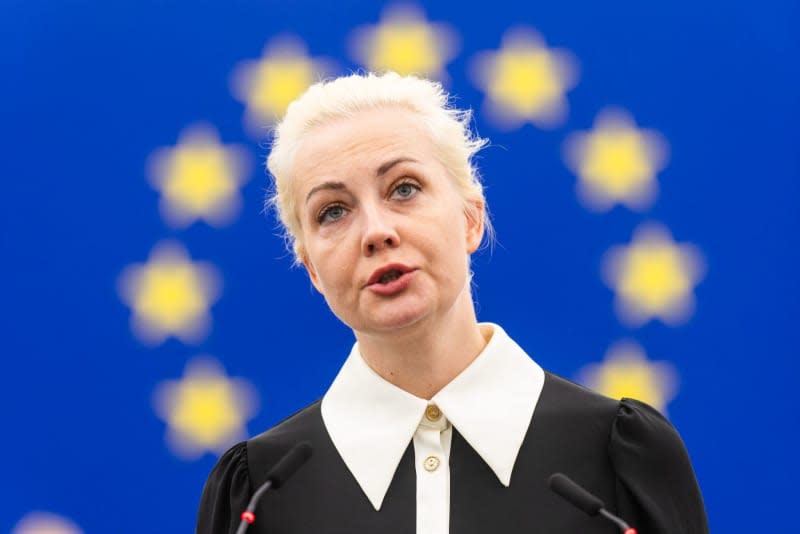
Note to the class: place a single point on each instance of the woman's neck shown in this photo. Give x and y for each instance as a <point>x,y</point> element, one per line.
<point>423,359</point>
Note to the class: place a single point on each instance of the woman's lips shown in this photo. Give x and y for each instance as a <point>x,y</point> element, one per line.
<point>395,286</point>
<point>378,274</point>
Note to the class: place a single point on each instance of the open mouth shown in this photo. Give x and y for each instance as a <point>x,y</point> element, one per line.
<point>390,276</point>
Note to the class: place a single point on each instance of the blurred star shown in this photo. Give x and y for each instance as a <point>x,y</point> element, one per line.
<point>267,86</point>
<point>205,411</point>
<point>616,163</point>
<point>653,277</point>
<point>626,372</point>
<point>169,295</point>
<point>199,178</point>
<point>525,81</point>
<point>406,43</point>
<point>45,523</point>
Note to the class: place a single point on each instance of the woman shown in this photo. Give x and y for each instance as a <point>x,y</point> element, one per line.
<point>435,423</point>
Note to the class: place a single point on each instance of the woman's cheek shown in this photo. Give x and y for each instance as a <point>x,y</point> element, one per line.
<point>336,230</point>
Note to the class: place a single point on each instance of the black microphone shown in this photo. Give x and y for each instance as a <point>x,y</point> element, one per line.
<point>276,477</point>
<point>564,486</point>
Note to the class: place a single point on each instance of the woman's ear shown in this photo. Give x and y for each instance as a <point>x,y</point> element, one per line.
<point>475,214</point>
<point>312,272</point>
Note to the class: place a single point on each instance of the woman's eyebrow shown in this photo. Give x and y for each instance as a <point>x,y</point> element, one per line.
<point>383,169</point>
<point>325,185</point>
<point>386,167</point>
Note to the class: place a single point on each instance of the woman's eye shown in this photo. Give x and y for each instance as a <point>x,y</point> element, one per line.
<point>405,190</point>
<point>331,214</point>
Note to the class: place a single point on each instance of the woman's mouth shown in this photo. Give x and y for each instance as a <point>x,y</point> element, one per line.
<point>390,279</point>
<point>388,273</point>
<point>390,276</point>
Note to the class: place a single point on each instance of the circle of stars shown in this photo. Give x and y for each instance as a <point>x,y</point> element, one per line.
<point>616,163</point>
<point>405,42</point>
<point>170,295</point>
<point>626,372</point>
<point>524,82</point>
<point>199,178</point>
<point>653,277</point>
<point>205,410</point>
<point>268,85</point>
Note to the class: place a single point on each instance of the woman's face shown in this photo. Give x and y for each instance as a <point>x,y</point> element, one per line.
<point>385,235</point>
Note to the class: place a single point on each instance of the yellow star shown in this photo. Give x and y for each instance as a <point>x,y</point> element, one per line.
<point>169,295</point>
<point>626,372</point>
<point>45,523</point>
<point>267,86</point>
<point>199,178</point>
<point>525,81</point>
<point>205,410</point>
<point>406,43</point>
<point>616,162</point>
<point>653,277</point>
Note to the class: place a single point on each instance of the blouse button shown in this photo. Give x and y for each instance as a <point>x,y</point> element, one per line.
<point>431,463</point>
<point>433,413</point>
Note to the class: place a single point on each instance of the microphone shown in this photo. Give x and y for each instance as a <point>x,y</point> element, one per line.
<point>563,486</point>
<point>276,477</point>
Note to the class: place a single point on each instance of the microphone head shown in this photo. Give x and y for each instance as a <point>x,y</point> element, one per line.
<point>290,462</point>
<point>569,490</point>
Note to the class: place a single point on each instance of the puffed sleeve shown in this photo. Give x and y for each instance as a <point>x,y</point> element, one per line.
<point>226,493</point>
<point>658,492</point>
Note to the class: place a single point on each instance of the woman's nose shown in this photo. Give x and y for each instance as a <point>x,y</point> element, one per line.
<point>379,232</point>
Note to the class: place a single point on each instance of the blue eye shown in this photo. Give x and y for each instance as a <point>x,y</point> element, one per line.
<point>331,214</point>
<point>405,190</point>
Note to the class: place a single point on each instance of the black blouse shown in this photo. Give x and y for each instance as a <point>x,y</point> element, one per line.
<point>624,452</point>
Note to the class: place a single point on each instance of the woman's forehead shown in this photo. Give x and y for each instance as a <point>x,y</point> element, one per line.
<point>366,141</point>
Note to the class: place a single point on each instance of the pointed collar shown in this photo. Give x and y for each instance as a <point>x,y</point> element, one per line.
<point>371,421</point>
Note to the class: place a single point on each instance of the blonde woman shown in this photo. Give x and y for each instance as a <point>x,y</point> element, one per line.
<point>436,423</point>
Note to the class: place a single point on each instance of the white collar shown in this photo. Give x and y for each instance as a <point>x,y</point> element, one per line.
<point>371,421</point>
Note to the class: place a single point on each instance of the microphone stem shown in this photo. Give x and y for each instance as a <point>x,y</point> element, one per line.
<point>623,526</point>
<point>242,527</point>
<point>251,507</point>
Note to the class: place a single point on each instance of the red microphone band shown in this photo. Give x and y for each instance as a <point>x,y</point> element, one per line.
<point>630,531</point>
<point>250,517</point>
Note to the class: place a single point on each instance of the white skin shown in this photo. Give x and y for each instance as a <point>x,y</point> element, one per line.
<point>371,191</point>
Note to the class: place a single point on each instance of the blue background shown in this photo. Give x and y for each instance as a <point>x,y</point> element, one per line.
<point>90,88</point>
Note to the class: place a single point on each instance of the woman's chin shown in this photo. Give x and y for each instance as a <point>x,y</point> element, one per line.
<point>393,319</point>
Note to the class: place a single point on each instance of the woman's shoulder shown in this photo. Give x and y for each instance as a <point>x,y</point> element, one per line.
<point>657,489</point>
<point>239,470</point>
<point>235,464</point>
<point>225,493</point>
<point>652,463</point>
<point>626,425</point>
<point>572,395</point>
<point>642,439</point>
<point>293,428</point>
<point>565,399</point>
<point>304,425</point>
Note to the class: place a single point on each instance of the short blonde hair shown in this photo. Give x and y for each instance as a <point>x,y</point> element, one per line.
<point>343,97</point>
